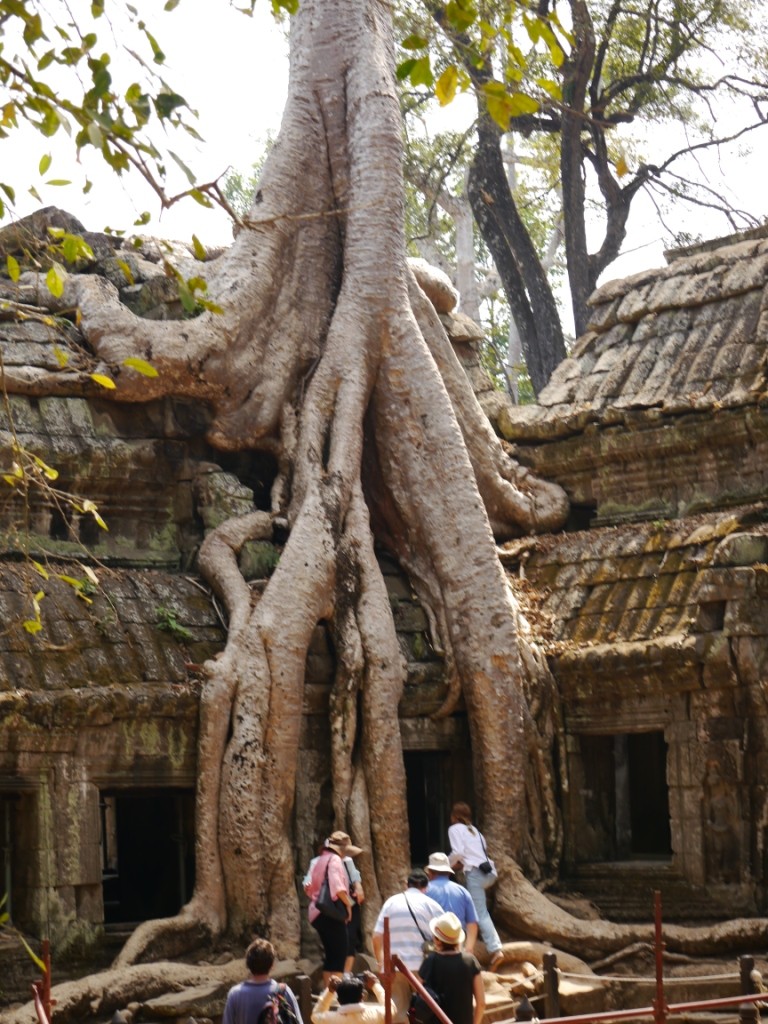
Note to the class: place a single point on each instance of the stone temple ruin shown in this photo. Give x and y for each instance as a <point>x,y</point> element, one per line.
<point>652,607</point>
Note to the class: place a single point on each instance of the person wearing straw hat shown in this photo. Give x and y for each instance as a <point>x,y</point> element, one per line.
<point>452,973</point>
<point>331,930</point>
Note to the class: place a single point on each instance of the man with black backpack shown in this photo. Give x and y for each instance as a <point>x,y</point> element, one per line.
<point>260,999</point>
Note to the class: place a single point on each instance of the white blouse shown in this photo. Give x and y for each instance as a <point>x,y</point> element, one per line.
<point>466,846</point>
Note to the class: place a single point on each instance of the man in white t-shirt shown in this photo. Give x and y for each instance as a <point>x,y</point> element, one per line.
<point>409,913</point>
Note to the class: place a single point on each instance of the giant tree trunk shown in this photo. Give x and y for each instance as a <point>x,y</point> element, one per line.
<point>330,356</point>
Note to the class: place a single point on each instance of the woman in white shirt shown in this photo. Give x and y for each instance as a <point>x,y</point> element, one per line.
<point>469,852</point>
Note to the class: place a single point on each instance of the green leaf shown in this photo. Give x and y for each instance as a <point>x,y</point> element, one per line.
<point>62,358</point>
<point>54,280</point>
<point>167,102</point>
<point>145,218</point>
<point>12,266</point>
<point>550,87</point>
<point>414,42</point>
<point>95,135</point>
<point>445,87</point>
<point>51,122</point>
<point>45,60</point>
<point>127,272</point>
<point>190,176</point>
<point>48,471</point>
<point>45,163</point>
<point>198,248</point>
<point>421,72</point>
<point>37,961</point>
<point>141,366</point>
<point>157,53</point>
<point>77,584</point>
<point>187,298</point>
<point>90,506</point>
<point>403,70</point>
<point>461,14</point>
<point>58,181</point>
<point>201,197</point>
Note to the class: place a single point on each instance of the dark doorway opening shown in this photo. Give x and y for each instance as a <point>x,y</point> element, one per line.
<point>434,780</point>
<point>9,832</point>
<point>147,848</point>
<point>648,794</point>
<point>625,798</point>
<point>428,790</point>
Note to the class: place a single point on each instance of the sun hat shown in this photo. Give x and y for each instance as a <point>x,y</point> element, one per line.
<point>440,862</point>
<point>447,928</point>
<point>342,844</point>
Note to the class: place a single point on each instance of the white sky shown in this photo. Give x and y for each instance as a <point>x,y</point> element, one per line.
<point>233,70</point>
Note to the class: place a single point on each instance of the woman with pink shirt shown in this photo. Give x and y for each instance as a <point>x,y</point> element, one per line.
<point>332,932</point>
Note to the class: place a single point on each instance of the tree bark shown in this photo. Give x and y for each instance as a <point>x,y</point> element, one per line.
<point>525,284</point>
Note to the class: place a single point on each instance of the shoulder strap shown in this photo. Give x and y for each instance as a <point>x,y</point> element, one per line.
<point>421,933</point>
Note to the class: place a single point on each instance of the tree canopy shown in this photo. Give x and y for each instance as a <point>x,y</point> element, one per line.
<point>634,95</point>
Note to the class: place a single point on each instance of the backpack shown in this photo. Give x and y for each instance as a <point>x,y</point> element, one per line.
<point>278,1009</point>
<point>420,1012</point>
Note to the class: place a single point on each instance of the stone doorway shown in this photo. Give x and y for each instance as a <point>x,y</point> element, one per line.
<point>428,788</point>
<point>434,780</point>
<point>147,853</point>
<point>623,811</point>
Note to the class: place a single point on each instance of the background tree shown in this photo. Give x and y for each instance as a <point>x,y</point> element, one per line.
<point>592,74</point>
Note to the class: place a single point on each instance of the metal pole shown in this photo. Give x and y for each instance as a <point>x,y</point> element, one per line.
<point>46,994</point>
<point>551,985</point>
<point>42,1017</point>
<point>659,1005</point>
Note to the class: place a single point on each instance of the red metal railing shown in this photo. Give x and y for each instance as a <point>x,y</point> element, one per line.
<point>660,1010</point>
<point>41,990</point>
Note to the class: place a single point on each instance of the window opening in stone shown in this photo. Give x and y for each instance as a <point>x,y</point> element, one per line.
<point>90,533</point>
<point>16,870</point>
<point>147,853</point>
<point>60,526</point>
<point>428,790</point>
<point>624,798</point>
<point>8,832</point>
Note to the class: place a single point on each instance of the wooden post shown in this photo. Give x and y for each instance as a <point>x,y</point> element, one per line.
<point>746,966</point>
<point>551,986</point>
<point>302,989</point>
<point>748,1012</point>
